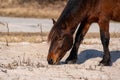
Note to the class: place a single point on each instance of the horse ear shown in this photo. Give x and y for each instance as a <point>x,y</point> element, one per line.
<point>53,21</point>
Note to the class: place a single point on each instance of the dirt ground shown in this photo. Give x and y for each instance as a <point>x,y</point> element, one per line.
<point>27,61</point>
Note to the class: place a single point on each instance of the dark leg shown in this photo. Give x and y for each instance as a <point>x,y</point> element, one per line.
<point>104,33</point>
<point>83,28</point>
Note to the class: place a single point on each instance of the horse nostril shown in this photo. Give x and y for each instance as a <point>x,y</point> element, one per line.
<point>50,61</point>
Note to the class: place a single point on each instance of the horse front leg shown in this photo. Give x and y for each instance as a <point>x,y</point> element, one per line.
<point>105,36</point>
<point>82,30</point>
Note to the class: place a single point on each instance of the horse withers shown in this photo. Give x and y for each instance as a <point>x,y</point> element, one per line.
<point>84,12</point>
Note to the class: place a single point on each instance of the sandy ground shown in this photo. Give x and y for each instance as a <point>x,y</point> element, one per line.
<point>27,61</point>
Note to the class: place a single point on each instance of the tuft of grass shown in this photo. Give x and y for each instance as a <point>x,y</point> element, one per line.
<point>23,61</point>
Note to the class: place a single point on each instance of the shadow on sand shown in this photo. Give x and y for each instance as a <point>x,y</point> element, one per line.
<point>91,53</point>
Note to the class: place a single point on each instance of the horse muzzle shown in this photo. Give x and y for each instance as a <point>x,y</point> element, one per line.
<point>53,59</point>
<point>52,62</point>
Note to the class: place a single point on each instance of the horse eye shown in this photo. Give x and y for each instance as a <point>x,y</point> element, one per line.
<point>60,43</point>
<point>59,39</point>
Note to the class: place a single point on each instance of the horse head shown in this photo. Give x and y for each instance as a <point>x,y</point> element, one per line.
<point>60,43</point>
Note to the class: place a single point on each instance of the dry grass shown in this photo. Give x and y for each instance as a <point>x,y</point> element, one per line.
<point>23,37</point>
<point>24,61</point>
<point>36,37</point>
<point>32,9</point>
<point>97,35</point>
<point>29,12</point>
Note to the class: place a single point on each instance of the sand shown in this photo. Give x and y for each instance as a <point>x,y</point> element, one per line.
<point>27,61</point>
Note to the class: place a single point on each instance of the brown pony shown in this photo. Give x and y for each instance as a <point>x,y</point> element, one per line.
<point>85,12</point>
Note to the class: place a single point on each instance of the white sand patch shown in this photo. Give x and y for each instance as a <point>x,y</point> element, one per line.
<point>27,61</point>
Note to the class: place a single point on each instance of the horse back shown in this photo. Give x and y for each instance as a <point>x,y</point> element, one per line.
<point>110,9</point>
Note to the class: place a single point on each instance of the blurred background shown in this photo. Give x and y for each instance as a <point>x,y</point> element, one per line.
<point>21,19</point>
<point>32,8</point>
<point>28,18</point>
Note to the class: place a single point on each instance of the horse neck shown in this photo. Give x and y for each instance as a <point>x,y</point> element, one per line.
<point>72,21</point>
<point>73,15</point>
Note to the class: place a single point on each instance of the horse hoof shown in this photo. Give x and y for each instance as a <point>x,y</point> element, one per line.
<point>71,61</point>
<point>102,63</point>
